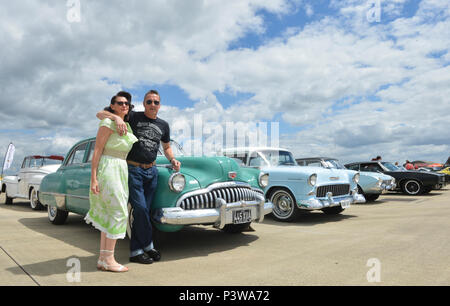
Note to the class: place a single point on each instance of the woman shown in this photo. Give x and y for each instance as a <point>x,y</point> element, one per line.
<point>109,183</point>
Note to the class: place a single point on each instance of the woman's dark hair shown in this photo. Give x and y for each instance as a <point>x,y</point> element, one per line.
<point>127,96</point>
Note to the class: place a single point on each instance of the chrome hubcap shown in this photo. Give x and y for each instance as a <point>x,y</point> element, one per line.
<point>51,212</point>
<point>412,187</point>
<point>34,200</point>
<point>283,204</point>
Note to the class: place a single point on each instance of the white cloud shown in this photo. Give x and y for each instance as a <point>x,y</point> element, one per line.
<point>56,75</point>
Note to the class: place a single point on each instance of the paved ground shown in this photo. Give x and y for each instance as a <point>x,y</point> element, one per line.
<point>398,240</point>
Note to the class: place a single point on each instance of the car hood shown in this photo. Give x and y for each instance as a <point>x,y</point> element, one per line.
<point>377,175</point>
<point>208,170</point>
<point>324,176</point>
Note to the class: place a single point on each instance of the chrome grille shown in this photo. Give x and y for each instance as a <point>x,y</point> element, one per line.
<point>337,190</point>
<point>229,194</point>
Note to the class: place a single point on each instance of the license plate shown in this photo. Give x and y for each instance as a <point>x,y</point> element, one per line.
<point>242,216</point>
<point>345,204</point>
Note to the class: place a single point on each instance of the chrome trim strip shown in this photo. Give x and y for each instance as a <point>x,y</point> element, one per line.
<point>65,195</point>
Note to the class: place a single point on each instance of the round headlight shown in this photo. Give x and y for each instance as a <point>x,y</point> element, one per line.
<point>380,182</point>
<point>177,182</point>
<point>263,180</point>
<point>356,178</point>
<point>312,180</point>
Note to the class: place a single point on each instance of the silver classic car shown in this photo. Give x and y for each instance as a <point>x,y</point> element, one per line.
<point>26,183</point>
<point>292,189</point>
<point>371,184</point>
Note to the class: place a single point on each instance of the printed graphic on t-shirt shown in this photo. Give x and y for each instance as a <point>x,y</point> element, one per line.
<point>149,135</point>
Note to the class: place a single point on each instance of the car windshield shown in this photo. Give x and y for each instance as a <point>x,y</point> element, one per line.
<point>391,166</point>
<point>39,162</point>
<point>334,164</point>
<point>177,149</point>
<point>274,158</point>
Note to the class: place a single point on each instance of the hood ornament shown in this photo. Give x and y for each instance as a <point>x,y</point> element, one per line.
<point>232,175</point>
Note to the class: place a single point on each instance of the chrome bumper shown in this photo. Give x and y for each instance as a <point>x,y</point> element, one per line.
<point>220,216</point>
<point>344,201</point>
<point>387,188</point>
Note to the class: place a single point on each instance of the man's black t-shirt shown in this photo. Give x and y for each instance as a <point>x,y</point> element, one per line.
<point>149,132</point>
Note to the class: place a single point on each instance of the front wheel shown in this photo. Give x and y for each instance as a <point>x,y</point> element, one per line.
<point>56,215</point>
<point>412,187</point>
<point>34,201</point>
<point>284,205</point>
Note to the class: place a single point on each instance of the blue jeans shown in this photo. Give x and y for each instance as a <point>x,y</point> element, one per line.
<point>142,186</point>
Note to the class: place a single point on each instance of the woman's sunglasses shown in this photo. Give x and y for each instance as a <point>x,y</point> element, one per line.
<point>149,102</point>
<point>120,103</point>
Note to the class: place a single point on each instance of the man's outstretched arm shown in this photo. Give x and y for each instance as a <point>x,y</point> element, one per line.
<point>120,124</point>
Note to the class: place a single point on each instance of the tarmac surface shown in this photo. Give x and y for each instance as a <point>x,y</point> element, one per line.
<point>396,240</point>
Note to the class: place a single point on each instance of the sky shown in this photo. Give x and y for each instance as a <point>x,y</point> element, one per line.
<point>350,79</point>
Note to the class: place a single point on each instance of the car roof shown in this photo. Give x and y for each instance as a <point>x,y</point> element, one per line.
<point>247,149</point>
<point>364,162</point>
<point>308,158</point>
<point>56,157</point>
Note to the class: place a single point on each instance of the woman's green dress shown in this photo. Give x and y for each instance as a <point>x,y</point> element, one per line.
<point>108,211</point>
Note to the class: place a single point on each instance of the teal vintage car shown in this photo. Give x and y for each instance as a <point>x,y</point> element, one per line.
<point>207,190</point>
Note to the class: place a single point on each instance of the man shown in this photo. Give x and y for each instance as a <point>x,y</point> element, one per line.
<point>142,172</point>
<point>408,165</point>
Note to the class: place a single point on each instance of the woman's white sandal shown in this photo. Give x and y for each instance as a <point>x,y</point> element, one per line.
<point>102,265</point>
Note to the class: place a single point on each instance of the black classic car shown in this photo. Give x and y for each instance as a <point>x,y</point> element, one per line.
<point>409,182</point>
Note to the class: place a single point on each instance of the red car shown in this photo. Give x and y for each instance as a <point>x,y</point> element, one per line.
<point>424,164</point>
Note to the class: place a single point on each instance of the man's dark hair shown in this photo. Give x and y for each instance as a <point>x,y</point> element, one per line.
<point>127,96</point>
<point>152,91</point>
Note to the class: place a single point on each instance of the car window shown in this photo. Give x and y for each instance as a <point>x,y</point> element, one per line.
<point>255,160</point>
<point>313,163</point>
<point>77,155</point>
<point>34,162</point>
<point>91,151</point>
<point>370,167</point>
<point>26,162</point>
<point>353,167</point>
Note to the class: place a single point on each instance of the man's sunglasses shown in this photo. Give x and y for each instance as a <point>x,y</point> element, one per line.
<point>149,102</point>
<point>120,103</point>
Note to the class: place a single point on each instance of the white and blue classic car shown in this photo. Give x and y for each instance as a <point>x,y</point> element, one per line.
<point>371,184</point>
<point>293,189</point>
